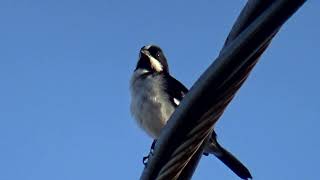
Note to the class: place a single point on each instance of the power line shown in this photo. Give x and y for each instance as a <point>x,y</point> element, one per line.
<point>180,145</point>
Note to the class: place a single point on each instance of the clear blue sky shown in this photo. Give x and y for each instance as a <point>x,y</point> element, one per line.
<point>64,96</point>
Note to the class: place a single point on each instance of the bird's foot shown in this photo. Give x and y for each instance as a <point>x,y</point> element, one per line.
<point>146,158</point>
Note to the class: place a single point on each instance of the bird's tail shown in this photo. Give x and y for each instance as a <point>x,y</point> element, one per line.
<point>227,158</point>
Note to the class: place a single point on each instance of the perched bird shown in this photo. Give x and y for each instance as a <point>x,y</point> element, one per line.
<point>154,96</point>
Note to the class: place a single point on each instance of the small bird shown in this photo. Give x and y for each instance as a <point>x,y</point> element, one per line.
<point>154,96</point>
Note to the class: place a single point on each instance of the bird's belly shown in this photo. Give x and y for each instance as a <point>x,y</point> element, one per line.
<point>150,118</point>
<point>151,112</point>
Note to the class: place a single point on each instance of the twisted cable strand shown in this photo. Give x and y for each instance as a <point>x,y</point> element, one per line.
<point>194,139</point>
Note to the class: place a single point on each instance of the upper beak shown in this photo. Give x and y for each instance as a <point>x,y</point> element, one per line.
<point>145,48</point>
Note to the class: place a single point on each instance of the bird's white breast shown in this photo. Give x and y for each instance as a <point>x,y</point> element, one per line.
<point>149,104</point>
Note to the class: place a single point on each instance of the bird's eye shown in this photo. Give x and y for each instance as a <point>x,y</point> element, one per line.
<point>158,54</point>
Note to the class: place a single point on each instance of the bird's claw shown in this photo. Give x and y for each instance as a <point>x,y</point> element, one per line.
<point>146,158</point>
<point>206,154</point>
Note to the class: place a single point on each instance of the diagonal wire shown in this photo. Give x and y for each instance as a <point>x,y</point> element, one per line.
<point>181,142</point>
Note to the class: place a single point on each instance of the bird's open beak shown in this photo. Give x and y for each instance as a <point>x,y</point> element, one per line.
<point>144,52</point>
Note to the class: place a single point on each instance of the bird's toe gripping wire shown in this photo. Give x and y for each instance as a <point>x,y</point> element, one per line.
<point>145,158</point>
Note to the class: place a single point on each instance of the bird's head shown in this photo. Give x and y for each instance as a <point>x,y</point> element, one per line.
<point>151,58</point>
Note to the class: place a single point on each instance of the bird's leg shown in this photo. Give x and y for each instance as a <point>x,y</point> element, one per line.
<point>146,158</point>
<point>152,146</point>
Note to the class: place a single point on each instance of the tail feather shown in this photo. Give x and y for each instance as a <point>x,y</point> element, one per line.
<point>227,158</point>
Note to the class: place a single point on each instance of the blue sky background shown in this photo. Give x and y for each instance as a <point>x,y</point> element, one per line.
<point>64,95</point>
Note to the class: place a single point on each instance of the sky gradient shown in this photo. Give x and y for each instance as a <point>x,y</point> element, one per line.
<point>65,68</point>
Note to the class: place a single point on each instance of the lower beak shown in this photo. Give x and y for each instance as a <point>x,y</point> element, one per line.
<point>145,52</point>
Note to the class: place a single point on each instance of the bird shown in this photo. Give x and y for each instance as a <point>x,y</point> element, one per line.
<point>155,95</point>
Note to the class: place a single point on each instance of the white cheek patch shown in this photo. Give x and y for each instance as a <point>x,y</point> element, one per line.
<point>176,101</point>
<point>155,64</point>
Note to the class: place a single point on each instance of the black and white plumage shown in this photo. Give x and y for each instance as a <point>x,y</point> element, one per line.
<point>154,96</point>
